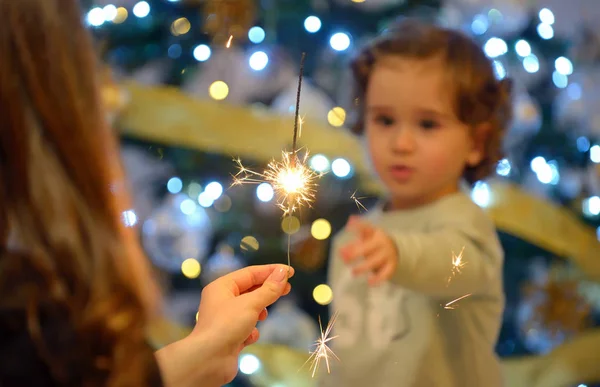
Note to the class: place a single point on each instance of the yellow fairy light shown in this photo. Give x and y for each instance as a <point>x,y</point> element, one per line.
<point>336,116</point>
<point>180,26</point>
<point>249,243</point>
<point>218,90</point>
<point>323,294</point>
<point>290,225</point>
<point>320,229</point>
<point>121,15</point>
<point>191,268</point>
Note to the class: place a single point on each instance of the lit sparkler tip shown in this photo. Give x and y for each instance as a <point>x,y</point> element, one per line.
<point>291,178</point>
<point>457,261</point>
<point>457,264</point>
<point>229,41</point>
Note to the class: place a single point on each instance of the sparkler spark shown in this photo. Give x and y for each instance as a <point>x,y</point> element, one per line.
<point>451,305</point>
<point>322,350</point>
<point>228,44</point>
<point>457,264</point>
<point>359,205</point>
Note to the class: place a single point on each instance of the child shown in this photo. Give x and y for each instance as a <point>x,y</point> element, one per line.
<point>431,113</point>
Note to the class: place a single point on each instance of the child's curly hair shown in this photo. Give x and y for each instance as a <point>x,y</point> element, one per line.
<point>479,97</point>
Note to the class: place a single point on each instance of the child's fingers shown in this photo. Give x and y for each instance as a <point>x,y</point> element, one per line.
<point>359,226</point>
<point>359,248</point>
<point>384,273</point>
<point>371,263</point>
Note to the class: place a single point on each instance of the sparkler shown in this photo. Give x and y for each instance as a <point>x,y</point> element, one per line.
<point>228,44</point>
<point>457,264</point>
<point>322,350</point>
<point>292,180</point>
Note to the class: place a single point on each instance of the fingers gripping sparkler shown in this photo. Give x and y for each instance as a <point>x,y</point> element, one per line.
<point>292,180</point>
<point>322,350</point>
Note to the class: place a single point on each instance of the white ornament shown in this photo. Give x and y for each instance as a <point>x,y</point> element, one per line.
<point>223,262</point>
<point>314,103</point>
<point>527,120</point>
<point>170,237</point>
<point>576,107</point>
<point>289,325</point>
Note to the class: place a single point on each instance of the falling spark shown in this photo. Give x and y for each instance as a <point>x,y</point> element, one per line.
<point>457,264</point>
<point>357,200</point>
<point>229,41</point>
<point>322,350</point>
<point>291,178</point>
<point>451,305</point>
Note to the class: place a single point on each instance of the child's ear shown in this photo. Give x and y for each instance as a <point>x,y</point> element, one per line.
<point>480,136</point>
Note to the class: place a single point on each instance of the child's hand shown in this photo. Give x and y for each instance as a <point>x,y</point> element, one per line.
<point>377,249</point>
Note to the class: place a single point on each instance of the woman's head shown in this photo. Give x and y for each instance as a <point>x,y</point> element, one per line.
<point>431,109</point>
<point>63,250</point>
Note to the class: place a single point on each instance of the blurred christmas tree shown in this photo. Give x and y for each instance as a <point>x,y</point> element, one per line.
<point>550,149</point>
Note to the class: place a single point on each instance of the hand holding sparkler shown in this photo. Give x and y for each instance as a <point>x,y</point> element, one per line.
<point>229,310</point>
<point>379,253</point>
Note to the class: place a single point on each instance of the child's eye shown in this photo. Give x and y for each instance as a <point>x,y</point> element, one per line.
<point>429,124</point>
<point>384,120</point>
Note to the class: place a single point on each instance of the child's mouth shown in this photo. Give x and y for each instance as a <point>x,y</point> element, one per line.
<point>401,172</point>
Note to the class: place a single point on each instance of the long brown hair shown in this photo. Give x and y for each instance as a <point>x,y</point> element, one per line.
<point>65,257</point>
<point>480,97</point>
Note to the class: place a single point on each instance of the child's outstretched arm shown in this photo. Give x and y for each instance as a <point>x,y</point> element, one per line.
<point>425,261</point>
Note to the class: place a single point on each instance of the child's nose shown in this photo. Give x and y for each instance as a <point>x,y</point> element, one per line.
<point>403,141</point>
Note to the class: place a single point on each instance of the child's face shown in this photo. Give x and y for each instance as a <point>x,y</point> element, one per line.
<point>417,145</point>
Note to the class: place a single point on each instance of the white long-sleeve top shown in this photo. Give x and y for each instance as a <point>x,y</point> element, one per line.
<point>400,333</point>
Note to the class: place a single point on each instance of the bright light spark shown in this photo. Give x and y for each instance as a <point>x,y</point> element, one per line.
<point>457,264</point>
<point>229,41</point>
<point>293,181</point>
<point>359,205</point>
<point>451,305</point>
<point>322,350</point>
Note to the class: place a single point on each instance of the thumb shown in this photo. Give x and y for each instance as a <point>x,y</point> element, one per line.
<point>269,291</point>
